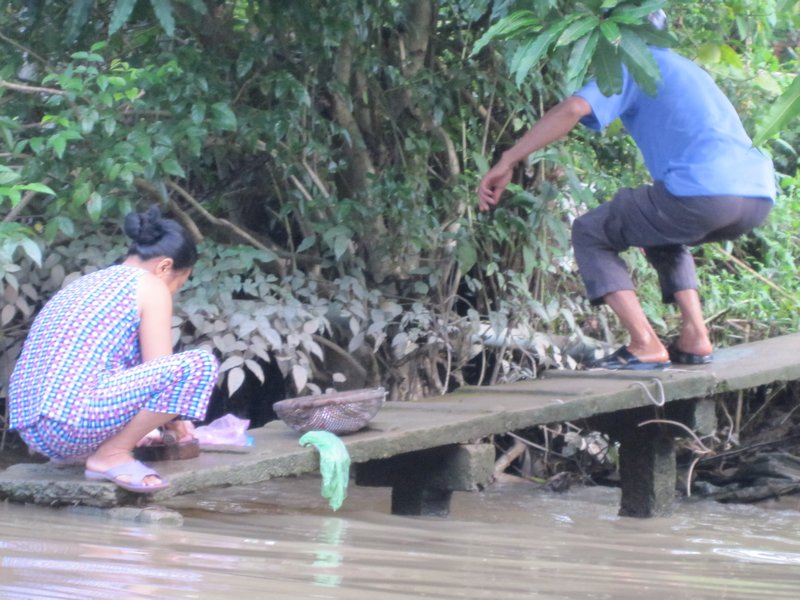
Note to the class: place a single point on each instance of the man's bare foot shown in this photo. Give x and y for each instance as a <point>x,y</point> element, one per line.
<point>651,353</point>
<point>694,346</point>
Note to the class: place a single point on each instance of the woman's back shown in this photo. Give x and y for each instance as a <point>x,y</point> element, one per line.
<point>87,329</point>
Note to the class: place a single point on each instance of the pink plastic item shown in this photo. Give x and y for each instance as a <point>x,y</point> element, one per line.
<point>228,430</point>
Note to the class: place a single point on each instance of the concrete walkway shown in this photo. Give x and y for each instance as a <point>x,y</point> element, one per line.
<point>469,414</point>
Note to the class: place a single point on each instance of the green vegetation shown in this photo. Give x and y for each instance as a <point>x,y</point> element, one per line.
<point>327,154</point>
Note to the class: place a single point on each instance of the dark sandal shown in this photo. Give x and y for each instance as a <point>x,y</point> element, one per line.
<point>687,358</point>
<point>624,360</point>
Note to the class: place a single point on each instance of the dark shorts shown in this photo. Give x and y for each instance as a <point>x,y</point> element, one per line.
<point>664,225</point>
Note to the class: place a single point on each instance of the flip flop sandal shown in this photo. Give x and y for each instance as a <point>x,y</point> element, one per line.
<point>136,471</point>
<point>624,360</point>
<point>687,358</point>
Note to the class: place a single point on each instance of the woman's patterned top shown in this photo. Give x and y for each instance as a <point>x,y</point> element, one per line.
<point>89,328</point>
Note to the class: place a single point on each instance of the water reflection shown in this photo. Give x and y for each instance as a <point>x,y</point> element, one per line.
<point>280,540</point>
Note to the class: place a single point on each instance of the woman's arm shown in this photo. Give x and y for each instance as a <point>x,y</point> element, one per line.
<point>155,312</point>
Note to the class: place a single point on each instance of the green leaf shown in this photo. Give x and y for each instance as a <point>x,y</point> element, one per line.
<point>528,260</point>
<point>783,110</point>
<point>634,15</point>
<point>38,187</point>
<point>607,68</point>
<point>577,30</point>
<point>709,53</point>
<point>198,113</point>
<point>172,167</point>
<point>12,194</point>
<point>223,117</point>
<point>244,63</point>
<point>508,27</point>
<point>579,60</point>
<point>467,255</point>
<point>163,10</point>
<point>640,61</point>
<point>7,176</point>
<point>119,16</point>
<point>655,37</point>
<point>77,17</point>
<point>307,243</point>
<point>59,144</point>
<point>527,55</point>
<point>198,6</point>
<point>730,57</point>
<point>610,31</point>
<point>32,249</point>
<point>340,246</point>
<point>95,206</point>
<point>65,225</point>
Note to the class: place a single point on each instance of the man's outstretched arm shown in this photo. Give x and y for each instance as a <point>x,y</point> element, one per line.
<point>555,124</point>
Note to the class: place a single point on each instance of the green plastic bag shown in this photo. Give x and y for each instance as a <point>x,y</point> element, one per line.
<point>334,465</point>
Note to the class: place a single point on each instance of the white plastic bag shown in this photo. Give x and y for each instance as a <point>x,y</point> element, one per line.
<point>228,430</point>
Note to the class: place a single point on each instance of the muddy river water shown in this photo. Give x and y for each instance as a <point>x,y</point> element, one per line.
<point>280,540</point>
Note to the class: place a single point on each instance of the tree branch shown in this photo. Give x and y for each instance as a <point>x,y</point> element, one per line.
<point>26,198</point>
<point>30,89</point>
<point>22,48</point>
<point>241,233</point>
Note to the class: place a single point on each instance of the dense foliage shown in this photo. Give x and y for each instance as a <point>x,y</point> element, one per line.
<point>327,153</point>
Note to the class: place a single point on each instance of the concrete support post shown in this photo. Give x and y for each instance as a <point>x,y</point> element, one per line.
<point>648,471</point>
<point>423,482</point>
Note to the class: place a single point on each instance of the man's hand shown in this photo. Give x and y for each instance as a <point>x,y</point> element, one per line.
<point>493,185</point>
<point>554,124</point>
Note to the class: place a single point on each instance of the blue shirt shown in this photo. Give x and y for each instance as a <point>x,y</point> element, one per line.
<point>689,134</point>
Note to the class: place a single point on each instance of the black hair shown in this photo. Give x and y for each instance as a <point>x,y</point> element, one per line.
<point>154,236</point>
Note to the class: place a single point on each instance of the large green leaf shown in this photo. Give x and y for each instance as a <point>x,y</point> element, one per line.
<point>610,31</point>
<point>632,15</point>
<point>785,108</point>
<point>119,16</point>
<point>607,67</point>
<point>77,17</point>
<point>579,60</point>
<point>640,61</point>
<point>654,37</point>
<point>163,10</point>
<point>577,30</point>
<point>508,27</point>
<point>532,52</point>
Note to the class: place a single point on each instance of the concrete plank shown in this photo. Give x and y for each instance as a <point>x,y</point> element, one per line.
<point>469,414</point>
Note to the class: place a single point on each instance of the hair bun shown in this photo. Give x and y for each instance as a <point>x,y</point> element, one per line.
<point>145,228</point>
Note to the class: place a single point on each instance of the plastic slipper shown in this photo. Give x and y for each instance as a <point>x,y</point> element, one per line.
<point>624,360</point>
<point>687,358</point>
<point>137,473</point>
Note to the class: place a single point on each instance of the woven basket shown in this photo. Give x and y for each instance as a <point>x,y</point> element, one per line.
<point>338,412</point>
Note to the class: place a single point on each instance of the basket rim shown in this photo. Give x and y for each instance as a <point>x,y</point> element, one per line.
<point>319,400</point>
